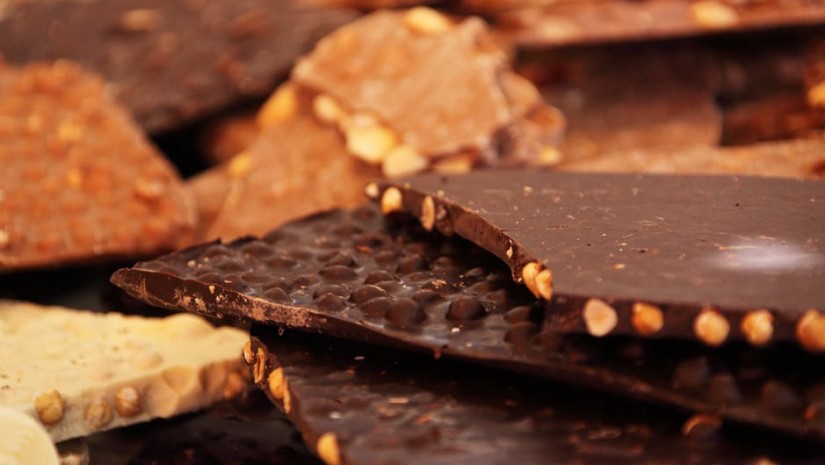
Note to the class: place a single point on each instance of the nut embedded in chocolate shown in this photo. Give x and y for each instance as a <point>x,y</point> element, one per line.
<point>810,331</point>
<point>758,327</point>
<point>128,402</point>
<point>391,200</point>
<point>647,319</point>
<point>328,449</point>
<point>50,407</point>
<point>599,317</point>
<point>711,327</point>
<point>98,414</point>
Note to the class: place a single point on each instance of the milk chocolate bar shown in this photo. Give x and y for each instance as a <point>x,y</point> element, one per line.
<point>79,180</point>
<point>362,405</point>
<point>173,61</point>
<point>348,275</point>
<point>718,257</point>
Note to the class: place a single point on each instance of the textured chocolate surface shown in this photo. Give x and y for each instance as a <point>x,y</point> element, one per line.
<point>688,243</point>
<point>172,60</point>
<point>346,274</point>
<point>79,181</point>
<point>383,407</point>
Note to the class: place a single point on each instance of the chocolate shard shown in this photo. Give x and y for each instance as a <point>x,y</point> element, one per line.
<point>362,405</point>
<point>173,61</point>
<point>79,181</point>
<point>350,275</point>
<point>711,257</point>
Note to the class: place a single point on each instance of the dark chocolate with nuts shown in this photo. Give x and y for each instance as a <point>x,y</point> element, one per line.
<point>173,61</point>
<point>715,257</point>
<point>348,275</point>
<point>363,405</point>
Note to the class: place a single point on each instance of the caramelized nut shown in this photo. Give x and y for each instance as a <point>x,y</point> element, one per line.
<point>281,106</point>
<point>810,331</point>
<point>713,14</point>
<point>711,327</point>
<point>98,414</point>
<point>758,327</point>
<point>402,160</point>
<point>50,407</point>
<point>647,319</point>
<point>427,213</point>
<point>369,140</point>
<point>391,200</point>
<point>128,402</point>
<point>426,21</point>
<point>328,449</point>
<point>599,317</point>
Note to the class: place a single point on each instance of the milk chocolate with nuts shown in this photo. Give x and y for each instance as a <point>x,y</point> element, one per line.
<point>707,252</point>
<point>349,275</point>
<point>79,180</point>
<point>173,61</point>
<point>361,405</point>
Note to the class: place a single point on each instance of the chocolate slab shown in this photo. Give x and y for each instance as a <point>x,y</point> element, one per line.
<point>362,405</point>
<point>348,275</point>
<point>546,23</point>
<point>79,180</point>
<point>173,60</point>
<point>716,256</point>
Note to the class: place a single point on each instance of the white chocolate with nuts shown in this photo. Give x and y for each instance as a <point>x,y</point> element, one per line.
<point>78,372</point>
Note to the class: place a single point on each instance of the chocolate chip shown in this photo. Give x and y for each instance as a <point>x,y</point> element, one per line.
<point>465,308</point>
<point>406,313</point>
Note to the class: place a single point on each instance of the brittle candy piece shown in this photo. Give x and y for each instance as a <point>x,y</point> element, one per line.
<point>79,179</point>
<point>350,275</point>
<point>707,251</point>
<point>79,372</point>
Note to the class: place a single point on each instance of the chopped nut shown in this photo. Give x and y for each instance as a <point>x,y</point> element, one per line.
<point>259,369</point>
<point>713,14</point>
<point>328,450</point>
<point>239,165</point>
<point>50,407</point>
<point>599,317</point>
<point>128,402</point>
<point>277,383</point>
<point>369,140</point>
<point>98,414</point>
<point>282,105</point>
<point>426,21</point>
<point>427,213</point>
<point>391,200</point>
<point>327,110</point>
<point>544,283</point>
<point>139,20</point>
<point>647,319</point>
<point>248,355</point>
<point>816,95</point>
<point>402,160</point>
<point>758,327</point>
<point>455,164</point>
<point>701,426</point>
<point>711,327</point>
<point>810,331</point>
<point>372,191</point>
<point>233,385</point>
<point>528,276</point>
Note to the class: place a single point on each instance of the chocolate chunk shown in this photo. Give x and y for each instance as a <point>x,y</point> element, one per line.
<point>557,23</point>
<point>432,311</point>
<point>710,257</point>
<point>79,181</point>
<point>172,61</point>
<point>362,405</point>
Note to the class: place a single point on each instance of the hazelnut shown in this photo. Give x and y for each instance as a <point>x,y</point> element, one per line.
<point>810,331</point>
<point>647,319</point>
<point>427,213</point>
<point>713,14</point>
<point>259,368</point>
<point>50,407</point>
<point>599,317</point>
<point>281,106</point>
<point>402,160</point>
<point>277,383</point>
<point>711,327</point>
<point>328,449</point>
<point>391,200</point>
<point>98,414</point>
<point>544,283</point>
<point>758,327</point>
<point>528,276</point>
<point>423,20</point>
<point>128,402</point>
<point>369,140</point>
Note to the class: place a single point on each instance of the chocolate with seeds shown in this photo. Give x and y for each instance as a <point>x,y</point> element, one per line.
<point>348,275</point>
<point>357,404</point>
<point>715,257</point>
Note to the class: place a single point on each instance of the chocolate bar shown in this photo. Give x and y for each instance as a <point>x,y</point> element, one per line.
<point>80,182</point>
<point>362,405</point>
<point>173,61</point>
<point>348,275</point>
<point>718,257</point>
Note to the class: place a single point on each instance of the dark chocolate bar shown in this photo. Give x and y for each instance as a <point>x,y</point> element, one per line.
<point>362,405</point>
<point>718,257</point>
<point>347,274</point>
<point>172,61</point>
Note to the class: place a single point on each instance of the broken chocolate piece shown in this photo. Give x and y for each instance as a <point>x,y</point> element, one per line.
<point>172,61</point>
<point>706,250</point>
<point>357,404</point>
<point>347,274</point>
<point>228,136</point>
<point>79,181</point>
